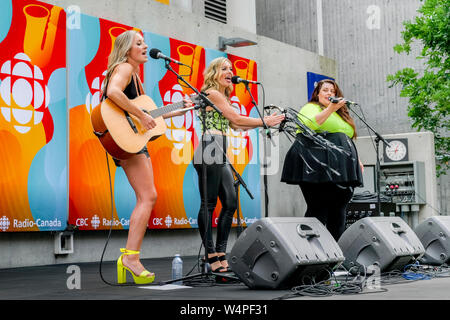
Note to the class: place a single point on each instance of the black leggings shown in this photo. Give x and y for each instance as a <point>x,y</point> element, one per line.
<point>328,203</point>
<point>220,183</point>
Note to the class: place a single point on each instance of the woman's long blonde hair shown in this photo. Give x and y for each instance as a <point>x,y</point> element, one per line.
<point>211,76</point>
<point>122,46</point>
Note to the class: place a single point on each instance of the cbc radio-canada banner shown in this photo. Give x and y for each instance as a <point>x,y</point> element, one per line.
<point>50,180</point>
<point>33,119</point>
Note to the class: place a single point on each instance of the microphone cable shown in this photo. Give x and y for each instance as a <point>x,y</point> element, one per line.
<point>265,182</point>
<point>111,224</point>
<point>364,118</point>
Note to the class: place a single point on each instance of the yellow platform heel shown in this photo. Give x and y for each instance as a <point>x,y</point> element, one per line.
<point>143,278</point>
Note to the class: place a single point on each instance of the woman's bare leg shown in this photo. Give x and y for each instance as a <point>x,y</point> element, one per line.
<point>139,172</point>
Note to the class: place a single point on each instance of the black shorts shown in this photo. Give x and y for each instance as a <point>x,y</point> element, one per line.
<point>143,151</point>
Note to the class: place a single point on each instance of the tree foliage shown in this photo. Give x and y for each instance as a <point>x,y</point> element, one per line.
<point>428,90</point>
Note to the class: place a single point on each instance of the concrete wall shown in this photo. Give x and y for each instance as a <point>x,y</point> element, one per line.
<point>359,36</point>
<point>242,14</point>
<point>289,21</point>
<point>285,86</point>
<point>420,148</point>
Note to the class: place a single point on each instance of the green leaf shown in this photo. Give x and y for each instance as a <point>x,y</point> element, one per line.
<point>428,94</point>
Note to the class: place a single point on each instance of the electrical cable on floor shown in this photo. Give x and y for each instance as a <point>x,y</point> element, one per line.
<point>441,271</point>
<point>332,286</point>
<point>207,280</point>
<point>415,273</point>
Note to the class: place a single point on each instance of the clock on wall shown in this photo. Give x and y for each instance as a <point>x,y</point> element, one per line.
<point>397,151</point>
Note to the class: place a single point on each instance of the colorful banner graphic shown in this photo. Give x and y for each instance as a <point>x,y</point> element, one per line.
<point>243,146</point>
<point>172,155</point>
<point>33,120</point>
<point>89,177</point>
<point>36,159</point>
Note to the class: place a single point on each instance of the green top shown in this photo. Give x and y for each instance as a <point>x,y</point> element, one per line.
<point>334,123</point>
<point>214,121</point>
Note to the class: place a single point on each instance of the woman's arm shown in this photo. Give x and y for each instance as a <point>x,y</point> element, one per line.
<point>322,116</point>
<point>238,121</point>
<point>187,104</point>
<point>234,127</point>
<point>118,82</point>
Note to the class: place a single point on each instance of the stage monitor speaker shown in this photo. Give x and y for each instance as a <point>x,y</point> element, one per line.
<point>434,233</point>
<point>283,252</point>
<point>387,242</point>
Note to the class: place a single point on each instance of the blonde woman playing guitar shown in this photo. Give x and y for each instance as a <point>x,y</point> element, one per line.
<point>122,87</point>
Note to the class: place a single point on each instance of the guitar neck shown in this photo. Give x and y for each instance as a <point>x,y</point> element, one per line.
<point>166,109</point>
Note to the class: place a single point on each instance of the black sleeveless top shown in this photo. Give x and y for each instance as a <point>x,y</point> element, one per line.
<point>130,90</point>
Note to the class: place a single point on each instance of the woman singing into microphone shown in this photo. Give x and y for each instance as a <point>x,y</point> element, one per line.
<point>326,177</point>
<point>220,182</point>
<point>122,85</point>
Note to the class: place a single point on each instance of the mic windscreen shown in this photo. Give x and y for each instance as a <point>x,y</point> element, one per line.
<point>235,79</point>
<point>154,53</point>
<point>334,99</point>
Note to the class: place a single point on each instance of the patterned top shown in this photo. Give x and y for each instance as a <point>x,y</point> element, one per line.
<point>214,121</point>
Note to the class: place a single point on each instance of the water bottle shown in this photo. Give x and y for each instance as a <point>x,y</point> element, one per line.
<point>177,269</point>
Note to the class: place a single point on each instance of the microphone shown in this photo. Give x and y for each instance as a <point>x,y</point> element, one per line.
<point>337,99</point>
<point>156,54</point>
<point>271,107</point>
<point>237,79</point>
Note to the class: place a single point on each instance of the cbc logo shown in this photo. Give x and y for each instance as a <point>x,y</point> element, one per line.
<point>83,222</point>
<point>24,93</point>
<point>4,223</point>
<point>168,221</point>
<point>93,100</point>
<point>159,221</point>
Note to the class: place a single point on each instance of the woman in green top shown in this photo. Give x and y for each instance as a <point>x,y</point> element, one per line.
<point>220,182</point>
<point>326,176</point>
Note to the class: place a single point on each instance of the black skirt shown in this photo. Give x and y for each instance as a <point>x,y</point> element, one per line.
<point>306,161</point>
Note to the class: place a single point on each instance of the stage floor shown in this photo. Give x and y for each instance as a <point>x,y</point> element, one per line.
<point>54,282</point>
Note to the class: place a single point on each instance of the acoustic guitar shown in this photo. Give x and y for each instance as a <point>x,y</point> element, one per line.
<point>122,134</point>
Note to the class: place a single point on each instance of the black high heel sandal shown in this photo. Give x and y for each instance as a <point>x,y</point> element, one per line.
<point>223,258</point>
<point>219,269</point>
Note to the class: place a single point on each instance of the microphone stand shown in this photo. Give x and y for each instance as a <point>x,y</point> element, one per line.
<point>259,113</point>
<point>378,138</point>
<point>267,130</point>
<point>204,102</point>
<point>239,181</point>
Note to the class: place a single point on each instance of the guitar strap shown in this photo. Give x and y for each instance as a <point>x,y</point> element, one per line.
<point>138,92</point>
<point>138,85</point>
